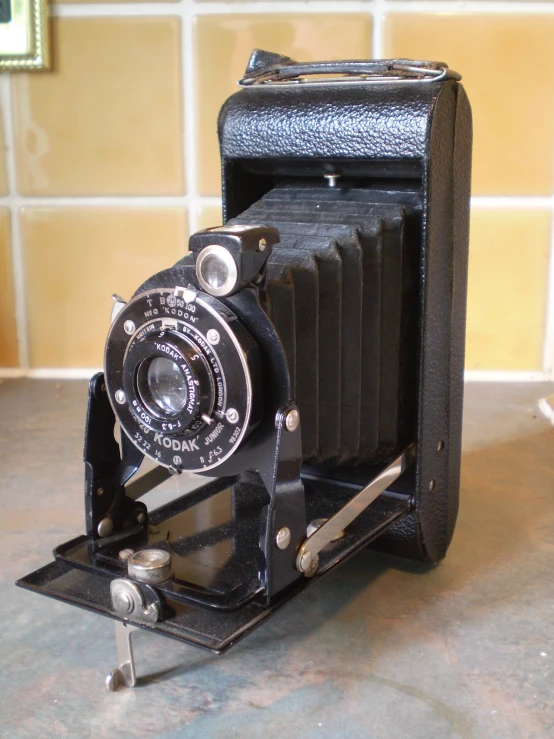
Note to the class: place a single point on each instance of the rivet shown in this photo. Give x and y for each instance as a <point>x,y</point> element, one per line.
<point>122,602</point>
<point>141,517</point>
<point>309,563</point>
<point>213,336</point>
<point>129,327</point>
<point>100,491</point>
<point>105,527</point>
<point>292,420</point>
<point>262,244</point>
<point>120,396</point>
<point>283,538</point>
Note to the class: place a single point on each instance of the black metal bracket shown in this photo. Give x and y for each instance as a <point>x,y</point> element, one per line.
<point>107,468</point>
<point>112,515</point>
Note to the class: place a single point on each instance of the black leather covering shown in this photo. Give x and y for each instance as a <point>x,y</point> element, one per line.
<point>423,128</point>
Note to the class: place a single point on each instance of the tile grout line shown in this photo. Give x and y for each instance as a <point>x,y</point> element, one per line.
<point>85,373</point>
<point>548,346</point>
<point>505,376</point>
<point>511,202</point>
<point>189,114</point>
<point>493,7</point>
<point>504,202</point>
<point>70,10</point>
<point>11,202</point>
<point>312,6</point>
<point>378,9</point>
<point>67,201</point>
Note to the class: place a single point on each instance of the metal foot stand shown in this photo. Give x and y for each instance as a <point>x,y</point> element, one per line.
<point>125,674</point>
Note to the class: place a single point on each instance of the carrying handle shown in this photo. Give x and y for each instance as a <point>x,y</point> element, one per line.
<point>267,68</point>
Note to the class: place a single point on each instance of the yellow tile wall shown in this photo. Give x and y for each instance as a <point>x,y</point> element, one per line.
<point>508,269</point>
<point>75,259</point>
<point>513,110</point>
<point>107,120</point>
<point>104,160</point>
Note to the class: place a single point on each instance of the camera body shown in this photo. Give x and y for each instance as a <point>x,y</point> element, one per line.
<point>309,353</point>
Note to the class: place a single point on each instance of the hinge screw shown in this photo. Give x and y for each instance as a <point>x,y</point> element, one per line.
<point>232,415</point>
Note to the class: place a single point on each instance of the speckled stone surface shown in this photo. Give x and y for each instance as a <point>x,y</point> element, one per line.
<point>378,648</point>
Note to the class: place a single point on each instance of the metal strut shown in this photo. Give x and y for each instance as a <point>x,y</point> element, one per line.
<point>307,560</point>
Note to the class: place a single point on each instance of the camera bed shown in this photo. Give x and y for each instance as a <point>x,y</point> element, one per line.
<point>211,606</point>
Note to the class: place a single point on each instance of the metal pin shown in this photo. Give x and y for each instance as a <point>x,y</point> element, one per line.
<point>332,179</point>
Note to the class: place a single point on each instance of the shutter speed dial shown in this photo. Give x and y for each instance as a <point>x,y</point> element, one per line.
<point>182,396</point>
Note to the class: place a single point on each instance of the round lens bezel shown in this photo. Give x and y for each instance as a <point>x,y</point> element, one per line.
<point>233,363</point>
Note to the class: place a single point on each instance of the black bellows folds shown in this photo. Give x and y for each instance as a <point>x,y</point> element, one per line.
<point>342,291</point>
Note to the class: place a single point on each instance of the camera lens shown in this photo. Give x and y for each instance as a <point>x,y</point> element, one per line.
<point>166,385</point>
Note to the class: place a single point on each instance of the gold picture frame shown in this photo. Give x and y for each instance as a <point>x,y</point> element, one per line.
<point>25,39</point>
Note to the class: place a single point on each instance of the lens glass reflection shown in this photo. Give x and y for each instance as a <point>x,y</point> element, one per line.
<point>214,271</point>
<point>167,386</point>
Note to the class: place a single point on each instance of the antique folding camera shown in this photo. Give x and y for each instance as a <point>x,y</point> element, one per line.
<point>307,357</point>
